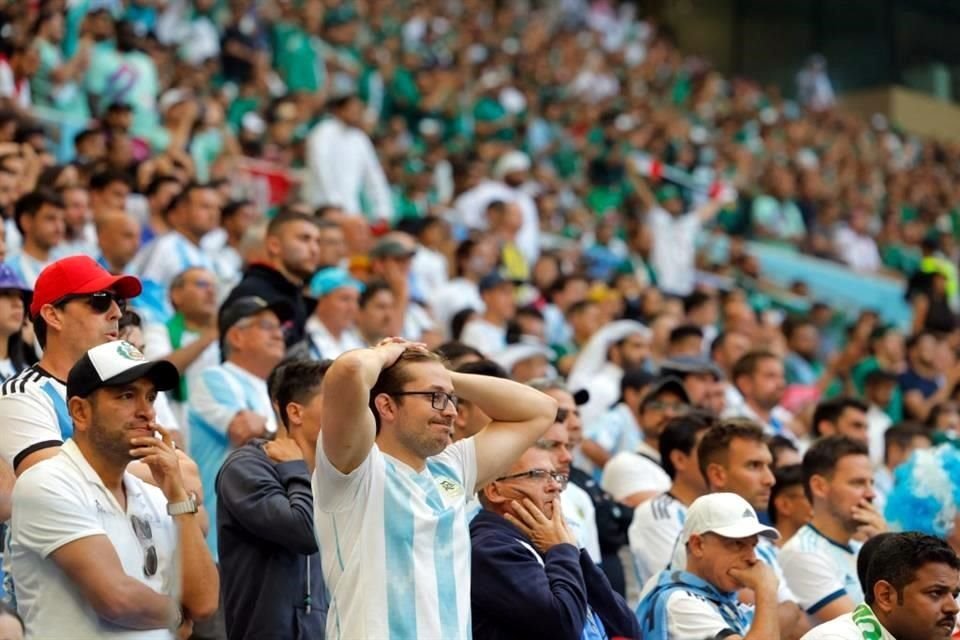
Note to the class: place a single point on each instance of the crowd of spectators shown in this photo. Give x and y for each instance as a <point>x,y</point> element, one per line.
<point>547,192</point>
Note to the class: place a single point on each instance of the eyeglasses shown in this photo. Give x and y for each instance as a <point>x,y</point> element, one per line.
<point>563,414</point>
<point>438,399</point>
<point>145,535</point>
<point>550,445</point>
<point>99,302</point>
<point>677,407</point>
<point>263,325</point>
<point>538,474</point>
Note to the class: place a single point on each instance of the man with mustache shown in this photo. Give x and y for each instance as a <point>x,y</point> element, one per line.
<point>95,552</point>
<point>911,585</point>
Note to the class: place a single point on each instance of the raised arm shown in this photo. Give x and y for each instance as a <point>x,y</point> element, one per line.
<point>519,415</point>
<point>349,428</point>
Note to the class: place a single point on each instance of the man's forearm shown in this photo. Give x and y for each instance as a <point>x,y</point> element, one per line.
<point>137,606</point>
<point>366,364</point>
<point>766,625</point>
<point>185,356</point>
<point>502,400</point>
<point>201,582</point>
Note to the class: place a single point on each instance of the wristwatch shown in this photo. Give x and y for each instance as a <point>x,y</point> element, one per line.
<point>180,508</point>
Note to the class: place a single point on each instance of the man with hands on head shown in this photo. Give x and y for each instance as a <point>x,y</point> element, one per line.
<point>720,536</point>
<point>390,486</point>
<point>96,552</point>
<point>522,545</point>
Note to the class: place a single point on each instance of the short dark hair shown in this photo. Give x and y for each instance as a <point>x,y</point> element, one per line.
<point>484,368</point>
<point>779,443</point>
<point>30,203</point>
<point>867,551</point>
<point>902,435</point>
<point>913,340</point>
<point>102,179</point>
<point>785,477</point>
<point>86,133</point>
<point>392,378</point>
<point>580,306</point>
<point>684,331</point>
<point>295,381</point>
<point>454,350</point>
<point>830,410</point>
<point>232,208</point>
<point>822,457</point>
<point>792,323</point>
<point>695,300</point>
<point>154,185</point>
<point>903,554</point>
<point>747,365</point>
<point>715,442</point>
<point>371,289</point>
<point>939,408</point>
<point>680,434</point>
<point>287,217</point>
<point>184,196</point>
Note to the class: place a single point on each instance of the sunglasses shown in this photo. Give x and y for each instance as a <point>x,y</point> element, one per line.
<point>145,536</point>
<point>99,302</point>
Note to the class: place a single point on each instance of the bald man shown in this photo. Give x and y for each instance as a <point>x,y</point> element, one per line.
<point>118,236</point>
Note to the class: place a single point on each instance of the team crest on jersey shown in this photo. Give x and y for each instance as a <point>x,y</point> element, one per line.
<point>128,351</point>
<point>449,487</point>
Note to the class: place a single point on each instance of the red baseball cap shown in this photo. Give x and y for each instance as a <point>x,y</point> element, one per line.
<point>78,275</point>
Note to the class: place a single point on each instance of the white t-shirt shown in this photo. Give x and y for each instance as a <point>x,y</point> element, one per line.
<point>62,500</point>
<point>396,544</point>
<point>455,295</point>
<point>487,338</point>
<point>631,472</point>
<point>323,344</point>
<point>653,534</point>
<point>167,256</point>
<point>580,514</point>
<point>820,570</point>
<point>841,628</point>
<point>674,250</point>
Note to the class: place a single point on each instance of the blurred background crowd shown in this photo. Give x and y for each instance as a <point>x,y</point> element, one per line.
<point>556,187</point>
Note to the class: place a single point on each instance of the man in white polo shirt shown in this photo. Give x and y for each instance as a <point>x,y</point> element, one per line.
<point>96,552</point>
<point>390,487</point>
<point>820,560</point>
<point>911,593</point>
<point>719,535</point>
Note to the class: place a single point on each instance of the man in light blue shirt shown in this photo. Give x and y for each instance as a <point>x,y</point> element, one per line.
<point>229,404</point>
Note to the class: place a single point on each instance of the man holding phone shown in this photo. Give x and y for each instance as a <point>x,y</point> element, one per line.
<point>820,560</point>
<point>96,552</point>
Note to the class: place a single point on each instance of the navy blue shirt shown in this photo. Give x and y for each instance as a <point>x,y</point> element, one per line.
<point>270,575</point>
<point>910,380</point>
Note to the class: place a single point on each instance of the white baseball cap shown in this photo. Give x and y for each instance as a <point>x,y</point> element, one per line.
<point>725,514</point>
<point>515,353</point>
<point>118,363</point>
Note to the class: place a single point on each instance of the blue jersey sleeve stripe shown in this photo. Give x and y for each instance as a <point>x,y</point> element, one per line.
<point>816,606</point>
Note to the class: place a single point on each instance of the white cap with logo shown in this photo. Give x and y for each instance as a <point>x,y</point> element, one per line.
<point>725,514</point>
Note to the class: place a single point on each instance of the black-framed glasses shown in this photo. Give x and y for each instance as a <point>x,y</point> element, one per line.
<point>538,474</point>
<point>438,399</point>
<point>145,536</point>
<point>99,302</point>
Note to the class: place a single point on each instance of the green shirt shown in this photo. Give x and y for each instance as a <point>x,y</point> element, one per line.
<point>859,375</point>
<point>67,98</point>
<point>296,58</point>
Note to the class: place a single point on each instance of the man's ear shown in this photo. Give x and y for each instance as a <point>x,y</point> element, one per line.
<point>695,546</point>
<point>51,315</point>
<point>386,406</point>
<point>493,494</point>
<point>819,486</point>
<point>716,476</point>
<point>294,415</point>
<point>80,411</point>
<point>885,597</point>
